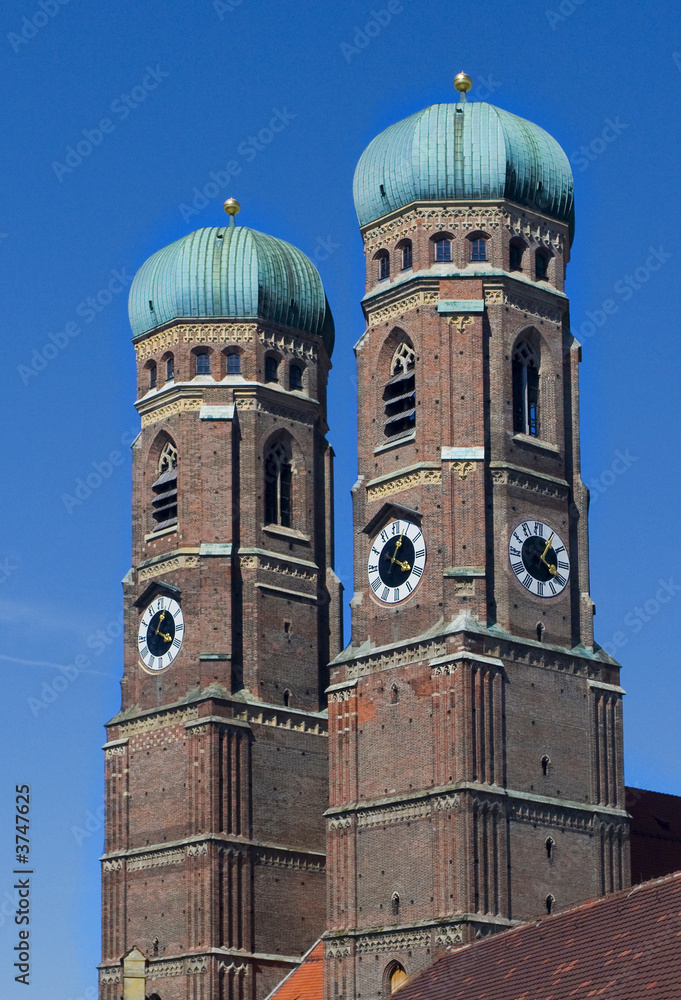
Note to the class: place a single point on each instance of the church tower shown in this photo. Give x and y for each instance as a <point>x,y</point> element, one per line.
<point>216,766</point>
<point>475,728</point>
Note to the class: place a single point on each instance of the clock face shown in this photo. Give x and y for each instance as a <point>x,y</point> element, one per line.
<point>396,561</point>
<point>539,558</point>
<point>160,633</point>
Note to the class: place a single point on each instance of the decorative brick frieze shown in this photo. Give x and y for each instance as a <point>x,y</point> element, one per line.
<point>164,970</point>
<point>157,859</point>
<point>392,941</point>
<point>159,720</point>
<point>403,481</point>
<point>168,564</point>
<point>288,344</point>
<point>182,405</point>
<point>289,860</point>
<point>386,313</point>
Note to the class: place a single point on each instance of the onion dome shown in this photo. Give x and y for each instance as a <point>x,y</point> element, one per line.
<point>463,151</point>
<point>231,272</point>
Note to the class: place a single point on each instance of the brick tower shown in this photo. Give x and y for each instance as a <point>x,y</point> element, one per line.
<point>216,766</point>
<point>475,729</point>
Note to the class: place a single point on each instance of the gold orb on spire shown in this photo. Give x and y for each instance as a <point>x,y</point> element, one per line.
<point>462,82</point>
<point>232,207</point>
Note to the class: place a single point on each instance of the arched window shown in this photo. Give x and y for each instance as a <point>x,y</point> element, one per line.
<point>549,844</point>
<point>287,698</point>
<point>406,254</point>
<point>164,504</point>
<point>526,389</point>
<point>152,375</point>
<point>154,945</point>
<point>278,485</point>
<point>515,255</point>
<point>271,368</point>
<point>545,764</point>
<point>550,902</point>
<point>443,248</point>
<point>170,368</point>
<point>400,392</point>
<point>383,265</point>
<point>479,249</point>
<point>233,363</point>
<point>393,978</point>
<point>394,695</point>
<point>203,363</point>
<point>295,378</point>
<point>541,265</point>
<point>395,904</point>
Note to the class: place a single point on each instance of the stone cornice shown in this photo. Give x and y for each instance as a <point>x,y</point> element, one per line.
<point>189,844</point>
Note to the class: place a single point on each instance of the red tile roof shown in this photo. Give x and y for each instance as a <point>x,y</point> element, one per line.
<point>655,833</point>
<point>306,982</point>
<point>625,946</point>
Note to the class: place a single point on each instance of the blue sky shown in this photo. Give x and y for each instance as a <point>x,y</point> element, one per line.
<point>181,88</point>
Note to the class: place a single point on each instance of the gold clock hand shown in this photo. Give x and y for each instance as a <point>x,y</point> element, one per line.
<point>399,542</point>
<point>550,566</point>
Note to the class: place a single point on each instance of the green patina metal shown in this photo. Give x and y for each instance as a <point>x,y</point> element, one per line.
<point>463,152</point>
<point>231,273</point>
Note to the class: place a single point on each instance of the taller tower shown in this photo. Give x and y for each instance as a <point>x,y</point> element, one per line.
<point>475,728</point>
<point>216,766</point>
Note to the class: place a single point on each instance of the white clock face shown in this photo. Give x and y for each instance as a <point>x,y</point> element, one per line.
<point>396,561</point>
<point>539,558</point>
<point>160,633</point>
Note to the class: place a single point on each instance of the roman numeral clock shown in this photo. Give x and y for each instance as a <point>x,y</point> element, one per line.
<point>397,559</point>
<point>539,558</point>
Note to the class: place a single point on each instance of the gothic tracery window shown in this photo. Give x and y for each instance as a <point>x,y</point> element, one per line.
<point>526,389</point>
<point>278,475</point>
<point>164,504</point>
<point>400,392</point>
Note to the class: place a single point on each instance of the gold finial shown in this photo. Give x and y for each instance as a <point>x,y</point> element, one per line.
<point>231,207</point>
<point>462,83</point>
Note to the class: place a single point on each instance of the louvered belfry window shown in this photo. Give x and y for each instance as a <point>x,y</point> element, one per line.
<point>164,504</point>
<point>400,392</point>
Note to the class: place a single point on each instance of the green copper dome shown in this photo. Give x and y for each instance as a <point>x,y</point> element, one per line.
<point>231,272</point>
<point>463,151</point>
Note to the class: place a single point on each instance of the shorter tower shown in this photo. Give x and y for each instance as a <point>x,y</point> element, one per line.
<point>216,765</point>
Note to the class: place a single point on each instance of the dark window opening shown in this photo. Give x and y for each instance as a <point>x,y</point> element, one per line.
<point>395,904</point>
<point>278,474</point>
<point>394,695</point>
<point>164,503</point>
<point>399,394</point>
<point>549,903</point>
<point>203,363</point>
<point>541,266</point>
<point>170,368</point>
<point>479,249</point>
<point>383,267</point>
<point>152,376</point>
<point>233,364</point>
<point>295,378</point>
<point>545,762</point>
<point>443,249</point>
<point>526,389</point>
<point>406,256</point>
<point>271,369</point>
<point>549,847</point>
<point>287,698</point>
<point>515,257</point>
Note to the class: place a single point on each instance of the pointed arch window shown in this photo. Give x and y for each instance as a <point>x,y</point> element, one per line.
<point>400,392</point>
<point>526,389</point>
<point>164,503</point>
<point>278,476</point>
<point>394,976</point>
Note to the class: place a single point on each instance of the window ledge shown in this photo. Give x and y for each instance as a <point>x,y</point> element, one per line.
<point>288,533</point>
<point>396,442</point>
<point>160,534</point>
<point>537,443</point>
